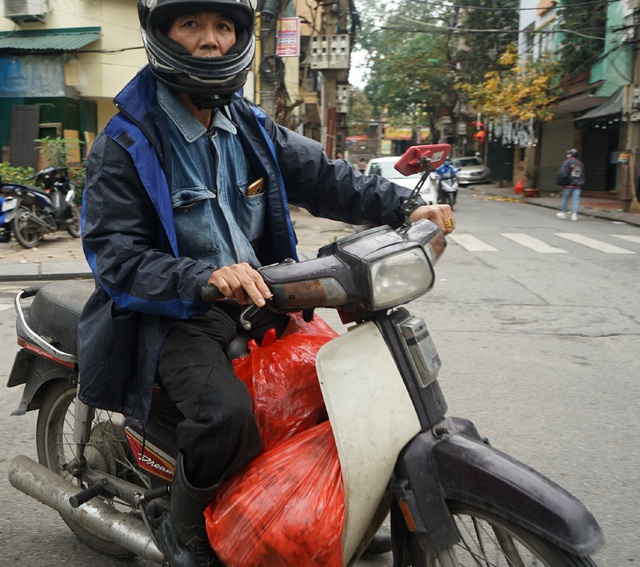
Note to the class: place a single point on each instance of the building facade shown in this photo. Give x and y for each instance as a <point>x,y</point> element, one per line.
<point>63,61</point>
<point>588,114</point>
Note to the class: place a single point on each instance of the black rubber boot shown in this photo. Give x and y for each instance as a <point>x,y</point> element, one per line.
<point>182,534</point>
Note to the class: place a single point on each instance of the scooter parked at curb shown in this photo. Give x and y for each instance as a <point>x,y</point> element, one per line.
<point>453,498</point>
<point>8,206</point>
<point>47,206</point>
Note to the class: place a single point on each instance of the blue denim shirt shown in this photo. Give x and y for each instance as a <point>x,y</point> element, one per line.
<point>214,218</point>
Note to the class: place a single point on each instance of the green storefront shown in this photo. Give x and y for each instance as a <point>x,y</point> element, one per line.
<point>38,93</point>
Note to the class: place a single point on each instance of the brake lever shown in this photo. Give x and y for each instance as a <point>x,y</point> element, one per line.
<point>245,316</point>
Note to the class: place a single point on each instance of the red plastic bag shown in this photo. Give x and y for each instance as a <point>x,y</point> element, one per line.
<point>285,509</point>
<point>519,187</point>
<point>282,379</point>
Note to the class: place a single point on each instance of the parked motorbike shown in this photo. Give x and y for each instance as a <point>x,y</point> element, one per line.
<point>447,190</point>
<point>8,206</point>
<point>453,499</point>
<point>45,207</point>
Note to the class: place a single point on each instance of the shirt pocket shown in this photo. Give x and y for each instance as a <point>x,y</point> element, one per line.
<point>194,222</point>
<point>251,209</point>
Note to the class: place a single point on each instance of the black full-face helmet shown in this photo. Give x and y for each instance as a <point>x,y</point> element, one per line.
<point>209,81</point>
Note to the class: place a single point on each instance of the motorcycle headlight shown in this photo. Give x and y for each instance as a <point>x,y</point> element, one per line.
<point>399,278</point>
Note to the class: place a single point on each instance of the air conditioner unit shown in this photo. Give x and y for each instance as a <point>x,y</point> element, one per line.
<point>26,10</point>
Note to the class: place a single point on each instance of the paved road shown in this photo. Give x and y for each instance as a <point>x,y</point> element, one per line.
<point>537,323</point>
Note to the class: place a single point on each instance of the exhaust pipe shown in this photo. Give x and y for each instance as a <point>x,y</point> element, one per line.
<point>96,516</point>
<point>38,221</point>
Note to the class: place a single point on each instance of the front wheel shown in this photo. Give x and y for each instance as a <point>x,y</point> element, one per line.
<point>450,199</point>
<point>26,233</point>
<point>488,540</point>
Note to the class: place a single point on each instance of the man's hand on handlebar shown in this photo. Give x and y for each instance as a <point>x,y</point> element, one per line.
<point>242,283</point>
<point>439,214</point>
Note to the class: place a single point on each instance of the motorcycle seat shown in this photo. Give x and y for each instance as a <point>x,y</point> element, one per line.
<point>55,311</point>
<point>35,189</point>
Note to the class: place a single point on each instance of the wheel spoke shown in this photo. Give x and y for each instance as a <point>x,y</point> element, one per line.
<point>487,540</point>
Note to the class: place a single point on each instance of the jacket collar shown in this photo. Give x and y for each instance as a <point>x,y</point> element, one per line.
<point>138,97</point>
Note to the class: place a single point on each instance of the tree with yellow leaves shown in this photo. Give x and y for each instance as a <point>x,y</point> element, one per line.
<point>517,92</point>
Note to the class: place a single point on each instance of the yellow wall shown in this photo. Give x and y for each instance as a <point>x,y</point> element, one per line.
<point>103,74</point>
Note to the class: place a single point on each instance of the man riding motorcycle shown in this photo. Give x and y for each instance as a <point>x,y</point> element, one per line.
<point>189,186</point>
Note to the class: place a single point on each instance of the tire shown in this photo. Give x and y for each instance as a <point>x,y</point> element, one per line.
<point>74,228</point>
<point>27,235</point>
<point>491,541</point>
<point>55,446</point>
<point>450,199</point>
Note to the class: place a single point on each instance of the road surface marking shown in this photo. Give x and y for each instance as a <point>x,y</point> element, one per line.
<point>471,243</point>
<point>628,237</point>
<point>534,244</point>
<point>593,243</point>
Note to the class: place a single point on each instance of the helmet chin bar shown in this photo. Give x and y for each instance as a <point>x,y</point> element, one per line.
<point>209,102</point>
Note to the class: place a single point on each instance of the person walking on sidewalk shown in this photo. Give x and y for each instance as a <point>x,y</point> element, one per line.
<point>572,178</point>
<point>188,186</point>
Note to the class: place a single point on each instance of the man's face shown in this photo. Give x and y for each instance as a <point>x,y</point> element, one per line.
<point>203,34</point>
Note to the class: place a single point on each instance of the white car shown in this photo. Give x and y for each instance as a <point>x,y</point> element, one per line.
<point>471,170</point>
<point>384,166</point>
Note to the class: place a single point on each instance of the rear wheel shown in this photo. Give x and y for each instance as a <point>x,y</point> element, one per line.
<point>55,446</point>
<point>74,228</point>
<point>487,540</point>
<point>26,233</point>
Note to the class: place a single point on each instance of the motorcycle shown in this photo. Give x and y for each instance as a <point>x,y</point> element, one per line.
<point>447,190</point>
<point>8,205</point>
<point>451,497</point>
<point>45,207</point>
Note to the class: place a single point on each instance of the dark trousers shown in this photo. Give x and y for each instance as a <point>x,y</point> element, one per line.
<point>218,435</point>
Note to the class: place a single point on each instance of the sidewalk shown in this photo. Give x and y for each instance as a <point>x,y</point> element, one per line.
<point>59,256</point>
<point>608,209</point>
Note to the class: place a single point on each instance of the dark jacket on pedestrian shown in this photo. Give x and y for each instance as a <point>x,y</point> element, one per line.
<point>571,173</point>
<point>129,238</point>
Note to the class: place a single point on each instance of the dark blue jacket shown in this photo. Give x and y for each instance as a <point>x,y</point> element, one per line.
<point>129,240</point>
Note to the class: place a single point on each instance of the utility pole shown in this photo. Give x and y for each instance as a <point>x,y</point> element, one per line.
<point>631,114</point>
<point>269,13</point>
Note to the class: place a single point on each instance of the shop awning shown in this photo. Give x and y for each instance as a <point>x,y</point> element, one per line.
<point>52,40</point>
<point>608,108</point>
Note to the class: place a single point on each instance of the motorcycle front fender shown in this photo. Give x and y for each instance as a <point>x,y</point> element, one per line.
<point>452,463</point>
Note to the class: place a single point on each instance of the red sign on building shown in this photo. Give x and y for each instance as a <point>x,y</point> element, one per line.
<point>288,40</point>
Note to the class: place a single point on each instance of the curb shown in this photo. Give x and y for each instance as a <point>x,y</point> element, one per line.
<point>45,271</point>
<point>554,203</point>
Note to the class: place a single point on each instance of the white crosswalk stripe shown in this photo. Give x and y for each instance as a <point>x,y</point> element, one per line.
<point>471,243</point>
<point>534,244</point>
<point>628,237</point>
<point>593,243</point>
